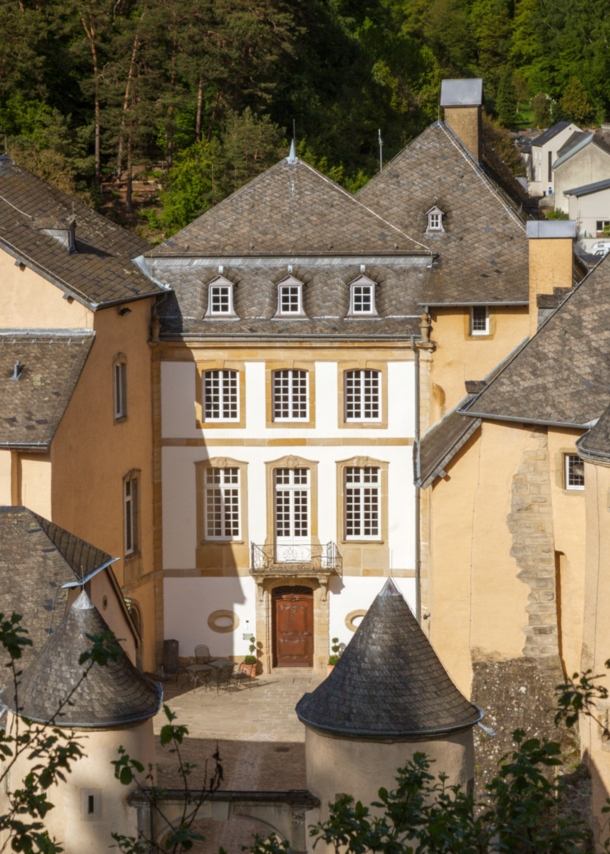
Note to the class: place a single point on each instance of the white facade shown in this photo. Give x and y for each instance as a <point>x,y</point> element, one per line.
<point>542,179</point>
<point>591,211</point>
<point>195,589</point>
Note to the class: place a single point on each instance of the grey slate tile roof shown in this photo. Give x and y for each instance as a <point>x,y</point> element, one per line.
<point>483,251</point>
<point>115,695</point>
<point>388,683</point>
<point>442,442</point>
<point>326,293</point>
<point>32,407</point>
<point>562,375</point>
<point>587,189</point>
<point>291,209</point>
<point>100,271</point>
<point>595,444</point>
<point>550,133</point>
<point>36,559</point>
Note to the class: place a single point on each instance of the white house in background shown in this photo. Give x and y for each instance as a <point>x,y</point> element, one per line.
<point>286,379</point>
<point>543,155</point>
<point>589,206</point>
<point>585,159</point>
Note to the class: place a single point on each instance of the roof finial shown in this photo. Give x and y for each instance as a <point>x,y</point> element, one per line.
<point>292,157</point>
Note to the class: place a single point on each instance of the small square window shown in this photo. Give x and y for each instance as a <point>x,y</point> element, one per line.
<point>220,298</point>
<point>290,299</point>
<point>479,320</point>
<point>574,472</point>
<point>362,296</point>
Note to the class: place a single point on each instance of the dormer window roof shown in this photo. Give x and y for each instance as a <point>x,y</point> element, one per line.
<point>435,219</point>
<point>290,298</point>
<point>220,299</point>
<point>362,297</point>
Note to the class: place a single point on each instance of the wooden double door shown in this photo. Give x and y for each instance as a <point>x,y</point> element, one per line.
<point>293,627</point>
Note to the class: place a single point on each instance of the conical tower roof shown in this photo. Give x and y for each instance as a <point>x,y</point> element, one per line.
<point>115,695</point>
<point>389,682</point>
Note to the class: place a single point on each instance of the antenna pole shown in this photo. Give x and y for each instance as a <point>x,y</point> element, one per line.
<point>380,150</point>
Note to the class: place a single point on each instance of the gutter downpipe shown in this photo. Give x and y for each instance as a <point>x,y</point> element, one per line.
<point>417,489</point>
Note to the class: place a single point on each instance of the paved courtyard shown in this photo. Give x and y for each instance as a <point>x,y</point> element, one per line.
<point>259,738</point>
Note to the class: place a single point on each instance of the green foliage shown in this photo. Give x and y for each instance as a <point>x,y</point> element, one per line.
<point>556,215</point>
<point>575,104</point>
<point>506,102</point>
<point>542,110</point>
<point>251,659</point>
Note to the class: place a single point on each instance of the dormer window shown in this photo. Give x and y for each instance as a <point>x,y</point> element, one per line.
<point>435,219</point>
<point>290,298</point>
<point>362,297</point>
<point>220,298</point>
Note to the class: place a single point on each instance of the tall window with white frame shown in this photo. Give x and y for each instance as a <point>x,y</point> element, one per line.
<point>120,389</point>
<point>221,395</point>
<point>220,299</point>
<point>574,472</point>
<point>363,395</point>
<point>131,513</point>
<point>479,320</point>
<point>222,504</point>
<point>290,395</point>
<point>362,504</point>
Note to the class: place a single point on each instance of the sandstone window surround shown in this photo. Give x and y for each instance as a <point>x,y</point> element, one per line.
<point>290,299</point>
<point>284,394</point>
<point>362,298</point>
<point>131,512</point>
<point>479,320</point>
<point>220,299</point>
<point>292,462</point>
<point>363,394</point>
<point>220,394</point>
<point>222,501</point>
<point>119,386</point>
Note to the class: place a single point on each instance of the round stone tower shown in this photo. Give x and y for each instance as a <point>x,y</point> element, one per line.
<point>112,707</point>
<point>387,698</point>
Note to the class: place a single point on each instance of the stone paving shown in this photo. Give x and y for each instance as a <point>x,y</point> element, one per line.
<point>259,737</point>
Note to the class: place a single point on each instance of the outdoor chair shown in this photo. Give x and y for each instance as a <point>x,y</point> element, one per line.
<point>241,676</point>
<point>202,654</point>
<point>223,677</point>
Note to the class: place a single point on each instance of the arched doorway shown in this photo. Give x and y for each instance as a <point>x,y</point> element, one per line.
<point>293,627</point>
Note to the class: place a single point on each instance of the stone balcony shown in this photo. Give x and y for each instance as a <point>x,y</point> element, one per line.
<point>317,560</point>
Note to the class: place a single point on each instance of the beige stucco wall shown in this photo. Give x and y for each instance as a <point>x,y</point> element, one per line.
<point>338,766</point>
<point>31,302</point>
<point>35,478</point>
<point>596,646</point>
<point>460,356</point>
<point>91,452</point>
<point>585,167</point>
<point>94,772</point>
<point>550,267</point>
<point>5,477</point>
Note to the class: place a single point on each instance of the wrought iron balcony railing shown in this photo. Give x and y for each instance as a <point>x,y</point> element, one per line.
<point>294,559</point>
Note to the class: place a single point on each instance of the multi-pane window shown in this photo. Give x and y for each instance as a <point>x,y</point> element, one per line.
<point>120,390</point>
<point>221,396</point>
<point>574,472</point>
<point>362,395</point>
<point>220,299</point>
<point>290,401</point>
<point>131,513</point>
<point>291,503</point>
<point>602,223</point>
<point>290,299</point>
<point>435,219</point>
<point>362,502</point>
<point>221,503</point>
<point>362,299</point>
<point>479,320</point>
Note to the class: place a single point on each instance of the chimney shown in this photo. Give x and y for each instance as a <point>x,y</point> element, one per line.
<point>462,101</point>
<point>550,244</point>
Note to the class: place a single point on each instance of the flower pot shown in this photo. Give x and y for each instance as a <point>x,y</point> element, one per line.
<point>249,669</point>
<point>329,669</point>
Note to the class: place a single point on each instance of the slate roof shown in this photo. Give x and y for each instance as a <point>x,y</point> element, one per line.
<point>579,141</point>
<point>562,375</point>
<point>588,189</point>
<point>100,272</point>
<point>548,134</point>
<point>32,407</point>
<point>291,209</point>
<point>442,442</point>
<point>115,695</point>
<point>595,444</point>
<point>36,559</point>
<point>326,295</point>
<point>483,250</point>
<point>388,683</point>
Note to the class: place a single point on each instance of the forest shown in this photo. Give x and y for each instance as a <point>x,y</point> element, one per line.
<point>155,110</point>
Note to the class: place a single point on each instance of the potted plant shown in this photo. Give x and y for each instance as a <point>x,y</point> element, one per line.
<point>334,658</point>
<point>250,661</point>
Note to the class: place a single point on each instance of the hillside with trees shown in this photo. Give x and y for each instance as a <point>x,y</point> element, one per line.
<point>182,101</point>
